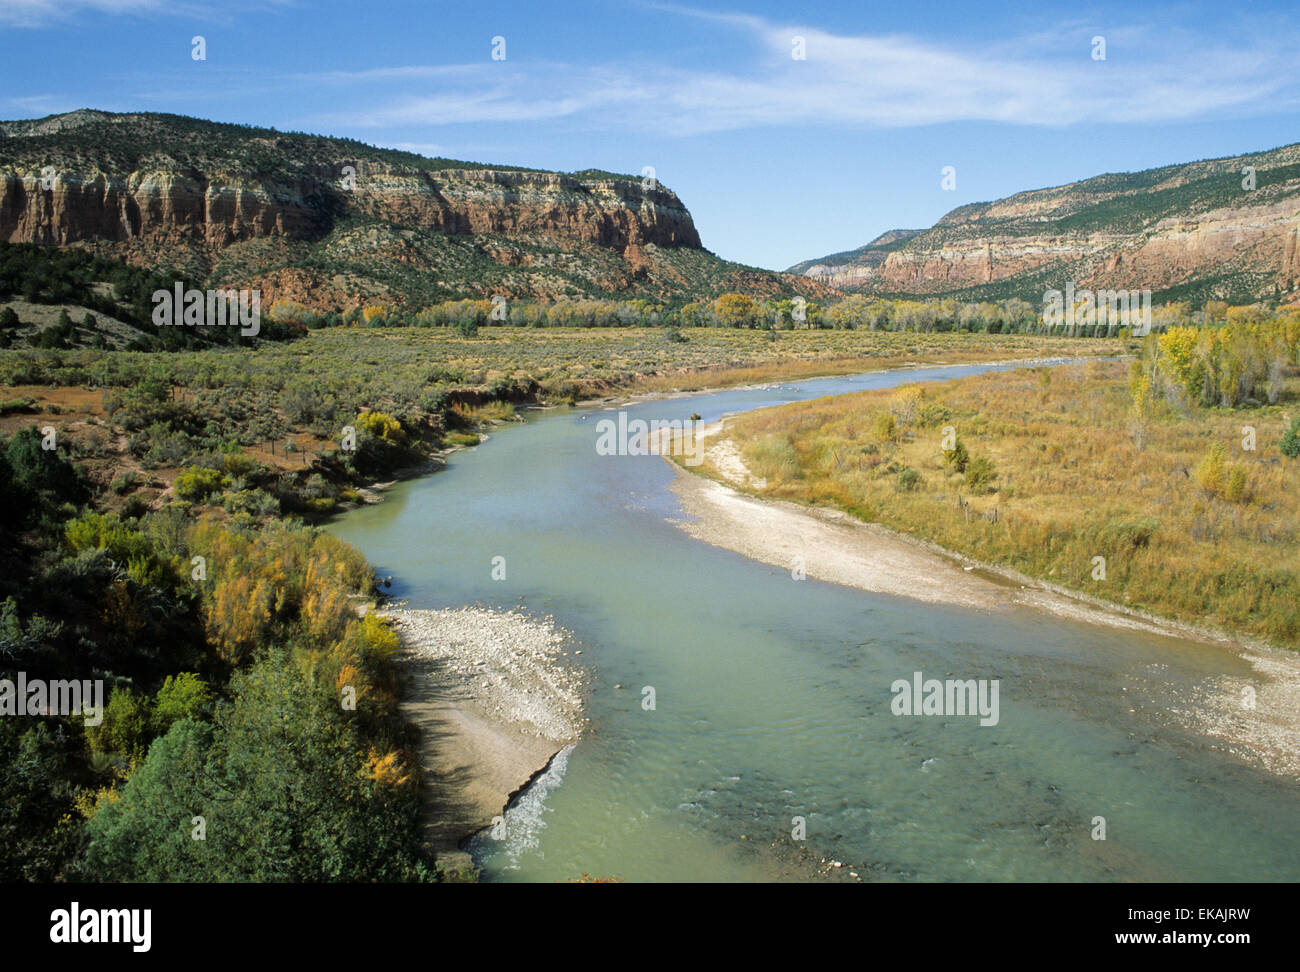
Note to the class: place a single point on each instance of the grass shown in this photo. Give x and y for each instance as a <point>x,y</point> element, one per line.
<point>1053,478</point>
<point>439,385</point>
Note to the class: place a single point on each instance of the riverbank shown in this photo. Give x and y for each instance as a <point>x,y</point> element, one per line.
<point>694,385</point>
<point>495,695</point>
<point>1257,718</point>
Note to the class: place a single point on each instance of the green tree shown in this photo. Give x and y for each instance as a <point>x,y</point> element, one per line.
<point>38,828</point>
<point>146,834</point>
<point>125,729</point>
<point>294,802</point>
<point>957,458</point>
<point>183,696</point>
<point>1290,444</point>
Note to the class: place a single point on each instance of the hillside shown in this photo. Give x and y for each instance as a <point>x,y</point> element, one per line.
<point>848,268</point>
<point>1184,231</point>
<point>333,223</point>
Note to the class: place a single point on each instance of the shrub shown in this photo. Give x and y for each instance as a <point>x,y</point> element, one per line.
<point>239,463</point>
<point>980,475</point>
<point>126,546</point>
<point>124,730</point>
<point>125,483</point>
<point>11,406</point>
<point>934,413</point>
<point>957,458</point>
<point>1290,443</point>
<point>183,696</point>
<point>886,429</point>
<point>382,426</point>
<point>1235,490</point>
<point>373,639</point>
<point>255,502</point>
<point>1211,474</point>
<point>908,479</point>
<point>906,405</point>
<point>197,484</point>
<point>134,508</point>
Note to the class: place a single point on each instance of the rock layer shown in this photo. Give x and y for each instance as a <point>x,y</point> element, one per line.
<point>1221,228</point>
<point>345,222</point>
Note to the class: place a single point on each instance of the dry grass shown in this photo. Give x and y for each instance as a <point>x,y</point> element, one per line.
<point>1071,485</point>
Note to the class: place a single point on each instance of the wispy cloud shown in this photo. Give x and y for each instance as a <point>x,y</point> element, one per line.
<point>1150,75</point>
<point>1154,73</point>
<point>42,13</point>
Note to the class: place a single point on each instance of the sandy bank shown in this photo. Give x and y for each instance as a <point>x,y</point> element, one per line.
<point>832,546</point>
<point>496,695</point>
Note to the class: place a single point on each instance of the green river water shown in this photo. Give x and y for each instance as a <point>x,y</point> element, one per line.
<point>773,695</point>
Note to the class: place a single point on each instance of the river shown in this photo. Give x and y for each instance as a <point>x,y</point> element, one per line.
<point>772,695</point>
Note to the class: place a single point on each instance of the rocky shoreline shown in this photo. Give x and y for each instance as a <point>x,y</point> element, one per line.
<point>496,695</point>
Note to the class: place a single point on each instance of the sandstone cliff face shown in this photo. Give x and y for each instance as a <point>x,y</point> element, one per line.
<point>1175,251</point>
<point>217,209</point>
<point>162,207</point>
<point>1184,229</point>
<point>332,222</point>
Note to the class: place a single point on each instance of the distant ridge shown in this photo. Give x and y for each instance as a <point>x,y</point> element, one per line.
<point>1183,231</point>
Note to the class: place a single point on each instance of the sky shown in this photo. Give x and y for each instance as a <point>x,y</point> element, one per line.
<point>780,158</point>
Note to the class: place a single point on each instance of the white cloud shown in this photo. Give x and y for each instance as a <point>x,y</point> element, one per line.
<point>40,13</point>
<point>1153,74</point>
<point>34,13</point>
<point>1150,76</point>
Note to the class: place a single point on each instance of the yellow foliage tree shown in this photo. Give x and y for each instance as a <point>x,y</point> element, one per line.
<point>381,425</point>
<point>735,310</point>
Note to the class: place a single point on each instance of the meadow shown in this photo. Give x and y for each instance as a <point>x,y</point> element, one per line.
<point>1076,475</point>
<point>137,420</point>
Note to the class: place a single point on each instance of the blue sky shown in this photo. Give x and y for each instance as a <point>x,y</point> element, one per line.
<point>778,159</point>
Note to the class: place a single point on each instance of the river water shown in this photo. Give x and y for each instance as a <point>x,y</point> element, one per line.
<point>772,696</point>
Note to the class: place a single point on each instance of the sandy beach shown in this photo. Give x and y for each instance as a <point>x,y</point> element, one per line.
<point>832,546</point>
<point>496,695</point>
